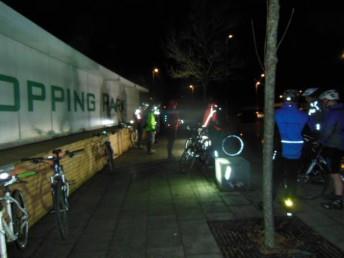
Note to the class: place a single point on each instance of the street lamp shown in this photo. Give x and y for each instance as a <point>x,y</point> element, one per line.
<point>230,36</point>
<point>257,84</point>
<point>155,73</point>
<point>191,87</point>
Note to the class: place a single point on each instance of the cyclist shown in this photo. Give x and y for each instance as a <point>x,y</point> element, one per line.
<point>172,125</point>
<point>139,123</point>
<point>291,122</point>
<point>150,128</point>
<point>314,109</point>
<point>315,113</point>
<point>212,121</point>
<point>332,139</point>
<point>211,117</point>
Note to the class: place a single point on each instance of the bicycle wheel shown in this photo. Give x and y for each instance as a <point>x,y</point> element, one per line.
<point>312,186</point>
<point>61,208</point>
<point>20,220</point>
<point>186,161</point>
<point>133,136</point>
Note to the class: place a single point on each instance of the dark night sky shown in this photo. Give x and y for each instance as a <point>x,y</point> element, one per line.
<point>126,36</point>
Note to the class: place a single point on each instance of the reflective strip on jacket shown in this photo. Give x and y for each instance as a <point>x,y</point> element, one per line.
<point>291,122</point>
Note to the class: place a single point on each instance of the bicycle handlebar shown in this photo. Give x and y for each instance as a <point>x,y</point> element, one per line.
<point>56,153</point>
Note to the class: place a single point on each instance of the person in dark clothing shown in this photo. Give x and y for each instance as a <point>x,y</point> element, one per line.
<point>172,125</point>
<point>139,121</point>
<point>332,140</point>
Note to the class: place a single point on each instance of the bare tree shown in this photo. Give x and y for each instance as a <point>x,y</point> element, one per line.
<point>270,75</point>
<point>198,51</point>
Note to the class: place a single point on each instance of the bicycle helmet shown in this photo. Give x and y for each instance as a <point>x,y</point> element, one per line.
<point>329,95</point>
<point>309,92</point>
<point>290,95</point>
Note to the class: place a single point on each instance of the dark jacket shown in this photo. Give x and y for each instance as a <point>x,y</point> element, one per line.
<point>332,127</point>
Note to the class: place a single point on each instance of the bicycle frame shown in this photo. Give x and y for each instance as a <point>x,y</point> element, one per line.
<point>8,227</point>
<point>58,173</point>
<point>319,161</point>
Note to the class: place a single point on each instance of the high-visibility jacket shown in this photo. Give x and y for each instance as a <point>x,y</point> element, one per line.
<point>290,122</point>
<point>151,122</point>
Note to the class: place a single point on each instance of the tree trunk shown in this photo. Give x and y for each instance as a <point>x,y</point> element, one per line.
<point>269,97</point>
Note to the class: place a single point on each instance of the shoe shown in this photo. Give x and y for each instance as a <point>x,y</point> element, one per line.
<point>333,205</point>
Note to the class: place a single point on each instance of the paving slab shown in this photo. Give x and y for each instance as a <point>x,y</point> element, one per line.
<point>148,209</point>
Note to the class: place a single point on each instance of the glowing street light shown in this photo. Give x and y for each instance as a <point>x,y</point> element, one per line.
<point>155,72</point>
<point>262,75</point>
<point>230,36</point>
<point>192,88</point>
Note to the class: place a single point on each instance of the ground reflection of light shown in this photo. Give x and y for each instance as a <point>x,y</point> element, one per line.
<point>107,122</point>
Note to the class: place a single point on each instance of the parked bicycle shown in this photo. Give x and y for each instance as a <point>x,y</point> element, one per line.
<point>59,187</point>
<point>313,180</point>
<point>14,216</point>
<point>133,132</point>
<point>104,149</point>
<point>197,148</point>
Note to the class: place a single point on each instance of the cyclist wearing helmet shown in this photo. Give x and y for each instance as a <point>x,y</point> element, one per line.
<point>314,109</point>
<point>332,139</point>
<point>290,123</point>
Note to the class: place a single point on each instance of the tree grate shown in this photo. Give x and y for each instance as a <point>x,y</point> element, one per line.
<point>245,238</point>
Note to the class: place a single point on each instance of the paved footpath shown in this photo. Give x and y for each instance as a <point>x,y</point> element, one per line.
<point>146,209</point>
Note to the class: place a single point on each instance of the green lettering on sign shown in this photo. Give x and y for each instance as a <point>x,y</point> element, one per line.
<point>113,105</point>
<point>57,95</point>
<point>35,91</point>
<point>91,103</point>
<point>11,81</point>
<point>79,101</point>
<point>105,102</point>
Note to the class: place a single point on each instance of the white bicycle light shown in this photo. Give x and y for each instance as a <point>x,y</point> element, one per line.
<point>288,203</point>
<point>4,175</point>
